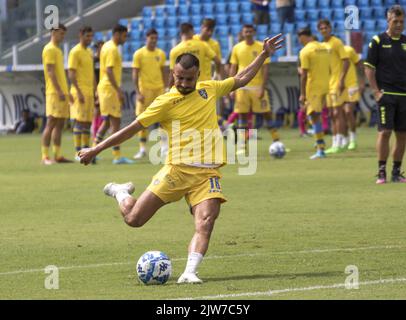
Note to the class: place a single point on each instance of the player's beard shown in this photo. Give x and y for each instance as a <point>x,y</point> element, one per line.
<point>185,91</point>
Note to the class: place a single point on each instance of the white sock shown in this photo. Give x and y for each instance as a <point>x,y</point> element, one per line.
<point>334,145</point>
<point>344,141</point>
<point>340,138</point>
<point>193,262</point>
<point>352,136</point>
<point>143,150</point>
<point>121,196</point>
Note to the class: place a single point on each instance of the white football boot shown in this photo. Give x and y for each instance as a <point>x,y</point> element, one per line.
<point>189,278</point>
<point>140,155</point>
<point>111,189</point>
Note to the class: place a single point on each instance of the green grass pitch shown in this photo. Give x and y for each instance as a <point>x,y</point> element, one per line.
<point>287,232</point>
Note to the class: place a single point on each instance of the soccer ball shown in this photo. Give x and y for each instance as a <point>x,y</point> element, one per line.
<point>277,150</point>
<point>154,267</point>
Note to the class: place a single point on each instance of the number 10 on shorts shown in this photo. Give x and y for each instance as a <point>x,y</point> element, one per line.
<point>214,185</point>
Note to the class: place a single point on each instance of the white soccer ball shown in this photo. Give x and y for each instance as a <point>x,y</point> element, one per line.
<point>277,150</point>
<point>154,267</point>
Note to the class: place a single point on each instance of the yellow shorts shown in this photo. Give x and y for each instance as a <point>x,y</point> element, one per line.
<point>335,100</point>
<point>149,96</point>
<point>315,103</point>
<point>56,108</point>
<point>110,104</point>
<point>248,99</point>
<point>352,94</point>
<point>82,112</point>
<point>173,182</point>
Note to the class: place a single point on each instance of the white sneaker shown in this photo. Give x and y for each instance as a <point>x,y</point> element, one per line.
<point>189,278</point>
<point>112,189</point>
<point>140,155</point>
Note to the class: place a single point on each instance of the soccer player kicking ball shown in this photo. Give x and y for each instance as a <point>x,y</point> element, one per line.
<point>188,106</point>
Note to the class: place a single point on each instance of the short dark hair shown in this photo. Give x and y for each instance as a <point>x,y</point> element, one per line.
<point>209,23</point>
<point>304,32</point>
<point>85,29</point>
<point>119,29</point>
<point>323,21</point>
<point>60,27</point>
<point>396,9</point>
<point>186,28</point>
<point>152,31</point>
<point>249,26</point>
<point>187,61</point>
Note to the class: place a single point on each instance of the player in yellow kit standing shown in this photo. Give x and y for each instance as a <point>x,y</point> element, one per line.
<point>111,96</point>
<point>252,97</point>
<point>189,106</point>
<point>149,80</point>
<point>57,97</point>
<point>198,48</point>
<point>314,84</point>
<point>335,100</point>
<point>81,75</point>
<point>353,89</point>
<point>206,33</point>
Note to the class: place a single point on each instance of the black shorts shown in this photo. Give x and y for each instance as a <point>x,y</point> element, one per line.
<point>392,113</point>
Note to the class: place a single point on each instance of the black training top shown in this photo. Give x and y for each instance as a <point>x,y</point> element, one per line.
<point>388,56</point>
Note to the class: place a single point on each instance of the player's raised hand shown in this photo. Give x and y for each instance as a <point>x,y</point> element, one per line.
<point>87,155</point>
<point>273,44</point>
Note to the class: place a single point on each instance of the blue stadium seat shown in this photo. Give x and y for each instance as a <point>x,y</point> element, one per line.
<point>135,45</point>
<point>183,19</point>
<point>366,13</point>
<point>363,4</point>
<point>170,2</point>
<point>147,12</point>
<point>195,9</point>
<point>262,28</point>
<point>339,26</point>
<point>147,23</point>
<point>172,33</point>
<point>313,27</point>
<point>161,44</point>
<point>403,3</point>
<point>247,18</point>
<point>326,14</point>
<point>389,3</point>
<point>300,15</point>
<point>312,15</point>
<point>123,22</point>
<point>135,24</point>
<point>245,7</point>
<point>274,16</point>
<point>350,2</point>
<point>369,24</point>
<point>159,22</point>
<point>207,8</point>
<point>324,4</point>
<point>310,4</point>
<point>196,21</point>
<point>195,1</point>
<point>299,4</point>
<point>234,19</point>
<point>376,3</point>
<point>289,28</point>
<point>369,35</point>
<point>235,29</point>
<point>170,11</point>
<point>135,35</point>
<point>183,10</point>
<point>171,22</point>
<point>301,25</point>
<point>98,36</point>
<point>381,25</point>
<point>159,11</point>
<point>337,4</point>
<point>220,8</point>
<point>232,7</point>
<point>161,32</point>
<point>221,19</point>
<point>222,30</point>
<point>339,14</point>
<point>223,42</point>
<point>275,28</point>
<point>182,2</point>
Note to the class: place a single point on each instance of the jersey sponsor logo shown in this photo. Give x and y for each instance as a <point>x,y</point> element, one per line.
<point>176,101</point>
<point>203,93</point>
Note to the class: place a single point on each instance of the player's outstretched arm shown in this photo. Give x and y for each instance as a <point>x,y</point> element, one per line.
<point>246,75</point>
<point>87,155</point>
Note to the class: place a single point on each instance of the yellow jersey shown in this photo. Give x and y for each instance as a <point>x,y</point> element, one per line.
<point>81,60</point>
<point>315,58</point>
<point>110,57</point>
<point>206,69</point>
<point>191,123</point>
<point>52,54</point>
<point>338,53</point>
<point>150,64</point>
<point>243,55</point>
<point>198,48</point>
<point>351,79</point>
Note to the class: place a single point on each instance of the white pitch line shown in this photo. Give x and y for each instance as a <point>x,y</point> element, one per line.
<point>110,264</point>
<point>288,290</point>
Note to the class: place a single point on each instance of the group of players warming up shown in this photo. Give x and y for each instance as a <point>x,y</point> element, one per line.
<point>328,72</point>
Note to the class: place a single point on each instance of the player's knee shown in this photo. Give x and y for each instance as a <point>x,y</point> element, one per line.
<point>134,221</point>
<point>385,134</point>
<point>206,223</point>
